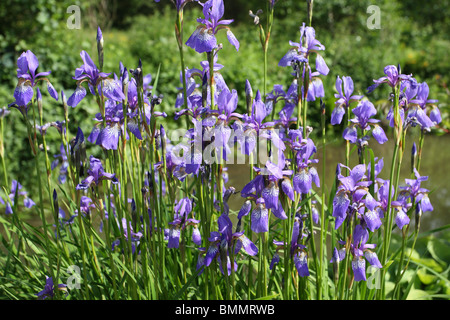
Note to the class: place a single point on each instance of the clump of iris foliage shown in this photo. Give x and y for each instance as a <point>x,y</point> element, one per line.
<point>150,218</point>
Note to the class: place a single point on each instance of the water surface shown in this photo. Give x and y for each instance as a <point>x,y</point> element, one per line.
<point>435,164</point>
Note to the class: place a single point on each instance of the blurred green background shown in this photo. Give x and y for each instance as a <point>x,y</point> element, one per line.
<point>414,34</point>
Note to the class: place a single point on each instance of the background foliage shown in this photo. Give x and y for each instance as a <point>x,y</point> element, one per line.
<point>413,34</point>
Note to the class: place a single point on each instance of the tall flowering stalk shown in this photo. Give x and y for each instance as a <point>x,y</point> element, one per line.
<point>406,112</point>
<point>3,113</point>
<point>264,38</point>
<point>27,82</point>
<point>149,218</point>
<point>309,88</point>
<point>179,22</point>
<point>204,40</point>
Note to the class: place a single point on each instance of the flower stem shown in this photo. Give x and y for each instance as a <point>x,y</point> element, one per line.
<point>2,154</point>
<point>390,215</point>
<point>419,152</point>
<point>322,212</point>
<point>179,36</point>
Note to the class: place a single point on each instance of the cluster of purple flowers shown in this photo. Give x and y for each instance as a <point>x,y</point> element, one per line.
<point>416,108</point>
<point>279,184</point>
<point>354,201</point>
<point>14,195</point>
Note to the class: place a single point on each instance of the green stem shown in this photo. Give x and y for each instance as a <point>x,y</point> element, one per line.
<point>419,151</point>
<point>179,36</point>
<point>389,214</point>
<point>402,272</point>
<point>2,155</point>
<point>250,265</point>
<point>347,142</point>
<point>41,198</point>
<point>322,212</point>
<point>265,79</point>
<point>344,287</point>
<point>265,47</point>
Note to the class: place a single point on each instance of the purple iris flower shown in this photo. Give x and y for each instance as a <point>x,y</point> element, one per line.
<point>338,255</point>
<point>191,161</point>
<point>351,189</point>
<point>86,204</point>
<point>247,134</point>
<point>301,51</point>
<point>383,196</point>
<point>277,175</point>
<point>204,37</point>
<point>304,149</point>
<point>290,99</point>
<point>401,217</point>
<point>278,94</point>
<point>89,73</point>
<point>415,193</point>
<point>260,217</point>
<point>275,260</point>
<point>194,97</point>
<point>108,137</point>
<point>27,65</point>
<point>182,210</point>
<point>345,97</point>
<point>360,248</point>
<point>260,213</point>
<point>249,129</point>
<point>420,104</point>
<point>224,240</point>
<point>315,212</point>
<point>15,188</point>
<point>367,212</point>
<point>63,220</point>
<point>226,104</point>
<point>364,113</point>
<point>195,103</point>
<point>130,235</point>
<point>415,104</point>
<point>245,209</point>
<point>315,85</point>
<point>226,194</point>
<point>301,263</point>
<point>285,119</point>
<point>392,78</point>
<point>266,192</point>
<point>49,289</point>
<point>408,91</point>
<point>61,157</point>
<point>96,174</point>
<point>298,251</point>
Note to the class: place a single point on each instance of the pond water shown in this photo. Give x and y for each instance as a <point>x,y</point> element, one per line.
<point>435,164</point>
